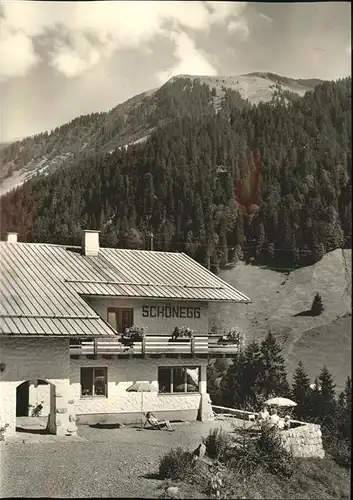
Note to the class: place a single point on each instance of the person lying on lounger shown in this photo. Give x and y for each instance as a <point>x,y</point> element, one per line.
<point>157,424</point>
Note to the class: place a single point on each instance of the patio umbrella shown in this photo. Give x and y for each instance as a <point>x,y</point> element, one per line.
<point>280,402</point>
<point>141,387</point>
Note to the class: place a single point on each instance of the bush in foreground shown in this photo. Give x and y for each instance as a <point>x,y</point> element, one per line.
<point>217,443</point>
<point>254,468</point>
<point>176,464</point>
<point>339,449</point>
<point>265,452</point>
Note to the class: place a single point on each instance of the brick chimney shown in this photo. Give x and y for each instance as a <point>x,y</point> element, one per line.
<point>11,237</point>
<point>90,243</point>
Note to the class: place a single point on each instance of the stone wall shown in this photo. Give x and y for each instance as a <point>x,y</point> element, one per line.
<point>303,441</point>
<point>121,374</point>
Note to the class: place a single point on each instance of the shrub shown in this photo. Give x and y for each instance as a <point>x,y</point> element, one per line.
<point>176,464</point>
<point>273,456</point>
<point>339,449</point>
<point>217,443</point>
<point>215,486</point>
<point>265,452</point>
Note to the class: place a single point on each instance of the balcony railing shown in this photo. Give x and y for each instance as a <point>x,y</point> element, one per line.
<point>152,345</point>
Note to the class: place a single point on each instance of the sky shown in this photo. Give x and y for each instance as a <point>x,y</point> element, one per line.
<point>60,60</point>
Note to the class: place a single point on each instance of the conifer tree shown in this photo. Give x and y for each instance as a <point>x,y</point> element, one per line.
<point>213,386</point>
<point>232,381</point>
<point>297,204</point>
<point>325,398</point>
<point>240,385</point>
<point>317,306</point>
<point>344,412</point>
<point>273,377</point>
<point>314,397</point>
<point>301,392</point>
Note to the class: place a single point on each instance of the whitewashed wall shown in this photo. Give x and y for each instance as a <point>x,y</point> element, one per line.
<point>122,374</point>
<point>157,325</point>
<point>29,359</point>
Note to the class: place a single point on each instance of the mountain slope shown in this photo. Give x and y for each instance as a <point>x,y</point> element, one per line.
<point>277,298</point>
<point>269,183</point>
<point>135,119</point>
<point>256,87</point>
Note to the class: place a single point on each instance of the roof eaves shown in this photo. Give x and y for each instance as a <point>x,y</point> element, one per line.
<point>246,299</point>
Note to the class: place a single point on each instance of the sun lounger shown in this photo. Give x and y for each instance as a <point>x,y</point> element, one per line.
<point>163,425</point>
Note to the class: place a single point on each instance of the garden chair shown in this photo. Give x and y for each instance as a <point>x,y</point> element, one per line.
<point>163,425</point>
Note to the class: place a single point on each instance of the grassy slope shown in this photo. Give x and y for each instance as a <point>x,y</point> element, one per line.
<point>325,339</point>
<point>312,479</point>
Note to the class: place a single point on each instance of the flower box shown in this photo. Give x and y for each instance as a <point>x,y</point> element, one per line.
<point>182,334</point>
<point>227,342</point>
<point>127,342</point>
<point>133,334</point>
<point>233,337</point>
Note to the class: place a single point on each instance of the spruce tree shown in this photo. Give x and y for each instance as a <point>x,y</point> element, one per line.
<point>314,400</point>
<point>231,383</point>
<point>212,385</point>
<point>344,412</point>
<point>317,306</point>
<point>304,211</point>
<point>325,404</point>
<point>301,392</point>
<point>253,394</point>
<point>240,384</point>
<point>273,377</point>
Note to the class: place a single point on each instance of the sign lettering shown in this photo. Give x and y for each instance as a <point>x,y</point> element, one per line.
<point>170,312</point>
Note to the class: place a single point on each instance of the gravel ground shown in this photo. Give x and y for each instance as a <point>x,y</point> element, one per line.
<point>100,463</point>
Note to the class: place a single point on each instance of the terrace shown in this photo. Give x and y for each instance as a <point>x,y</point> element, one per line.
<point>155,346</point>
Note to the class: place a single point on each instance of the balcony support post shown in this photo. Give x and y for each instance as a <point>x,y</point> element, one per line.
<point>192,345</point>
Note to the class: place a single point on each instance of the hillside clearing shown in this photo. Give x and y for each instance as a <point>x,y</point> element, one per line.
<point>277,298</point>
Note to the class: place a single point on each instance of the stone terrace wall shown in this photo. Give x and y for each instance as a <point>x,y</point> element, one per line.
<point>303,441</point>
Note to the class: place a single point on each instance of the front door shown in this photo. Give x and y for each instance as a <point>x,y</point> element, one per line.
<point>22,400</point>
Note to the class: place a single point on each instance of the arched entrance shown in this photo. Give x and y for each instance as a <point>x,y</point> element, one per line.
<point>22,399</point>
<point>36,407</point>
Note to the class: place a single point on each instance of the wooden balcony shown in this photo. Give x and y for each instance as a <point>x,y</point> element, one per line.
<point>154,346</point>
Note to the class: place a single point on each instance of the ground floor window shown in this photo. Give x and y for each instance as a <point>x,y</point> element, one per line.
<point>93,381</point>
<point>178,379</point>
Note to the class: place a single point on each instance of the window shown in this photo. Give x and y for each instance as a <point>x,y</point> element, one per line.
<point>93,382</point>
<point>120,318</point>
<point>178,379</point>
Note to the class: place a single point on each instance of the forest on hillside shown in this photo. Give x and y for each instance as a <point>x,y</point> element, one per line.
<point>269,183</point>
<point>105,131</point>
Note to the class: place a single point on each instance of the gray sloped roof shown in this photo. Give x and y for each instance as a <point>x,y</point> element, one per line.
<point>41,285</point>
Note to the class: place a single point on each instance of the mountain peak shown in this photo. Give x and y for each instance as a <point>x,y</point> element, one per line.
<point>133,121</point>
